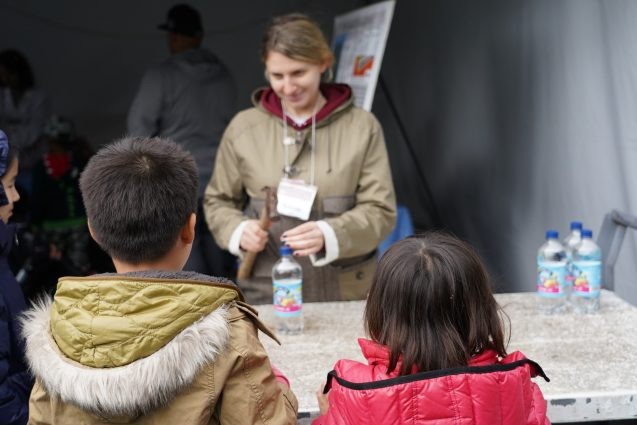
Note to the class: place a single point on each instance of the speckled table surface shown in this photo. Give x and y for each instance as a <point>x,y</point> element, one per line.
<point>590,359</point>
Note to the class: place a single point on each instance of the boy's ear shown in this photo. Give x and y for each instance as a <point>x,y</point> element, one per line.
<point>90,231</point>
<point>188,231</point>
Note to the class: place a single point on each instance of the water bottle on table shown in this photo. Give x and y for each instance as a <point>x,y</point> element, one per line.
<point>287,284</point>
<point>551,275</point>
<point>587,273</point>
<point>570,242</point>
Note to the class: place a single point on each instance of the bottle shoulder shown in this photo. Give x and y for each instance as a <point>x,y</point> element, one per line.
<point>552,244</point>
<point>551,250</point>
<point>286,265</point>
<point>587,250</point>
<point>571,241</point>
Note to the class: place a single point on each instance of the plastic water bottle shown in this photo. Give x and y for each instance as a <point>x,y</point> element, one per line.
<point>551,275</point>
<point>587,271</point>
<point>287,284</point>
<point>570,242</point>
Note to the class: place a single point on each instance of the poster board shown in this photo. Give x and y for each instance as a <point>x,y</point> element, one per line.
<point>358,44</point>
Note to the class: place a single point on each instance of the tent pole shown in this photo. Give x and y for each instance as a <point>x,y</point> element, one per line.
<point>433,211</point>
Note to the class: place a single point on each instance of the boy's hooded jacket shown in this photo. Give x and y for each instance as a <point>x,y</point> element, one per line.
<point>488,391</point>
<point>151,348</point>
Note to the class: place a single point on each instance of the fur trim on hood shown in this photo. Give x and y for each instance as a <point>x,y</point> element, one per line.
<point>133,389</point>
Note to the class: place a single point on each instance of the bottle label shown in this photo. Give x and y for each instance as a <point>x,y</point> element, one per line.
<point>551,279</point>
<point>587,278</point>
<point>569,270</point>
<point>288,297</point>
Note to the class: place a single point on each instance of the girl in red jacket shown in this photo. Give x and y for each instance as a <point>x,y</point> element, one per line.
<point>437,351</point>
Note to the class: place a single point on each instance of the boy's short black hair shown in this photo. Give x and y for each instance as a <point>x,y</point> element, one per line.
<point>139,192</point>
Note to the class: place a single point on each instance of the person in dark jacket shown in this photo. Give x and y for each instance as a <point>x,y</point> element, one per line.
<point>437,351</point>
<point>15,381</point>
<point>189,98</point>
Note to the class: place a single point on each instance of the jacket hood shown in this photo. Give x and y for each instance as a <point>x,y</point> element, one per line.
<point>120,345</point>
<point>338,96</point>
<point>377,356</point>
<point>198,63</point>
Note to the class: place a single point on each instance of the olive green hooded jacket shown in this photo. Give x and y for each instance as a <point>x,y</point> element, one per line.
<point>160,348</point>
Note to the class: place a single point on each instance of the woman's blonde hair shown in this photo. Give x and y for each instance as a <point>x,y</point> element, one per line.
<point>298,37</point>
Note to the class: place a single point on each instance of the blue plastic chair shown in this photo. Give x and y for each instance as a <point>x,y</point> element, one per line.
<point>404,227</point>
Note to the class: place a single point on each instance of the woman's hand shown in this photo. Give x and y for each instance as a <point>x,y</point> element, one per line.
<point>253,237</point>
<point>323,402</point>
<point>304,239</point>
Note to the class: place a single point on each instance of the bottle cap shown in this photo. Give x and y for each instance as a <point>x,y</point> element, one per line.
<point>552,234</point>
<point>576,225</point>
<point>587,233</point>
<point>285,250</point>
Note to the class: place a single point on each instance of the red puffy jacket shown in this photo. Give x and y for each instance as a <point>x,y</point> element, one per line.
<point>488,391</point>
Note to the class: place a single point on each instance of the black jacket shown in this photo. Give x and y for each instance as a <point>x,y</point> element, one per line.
<point>15,381</point>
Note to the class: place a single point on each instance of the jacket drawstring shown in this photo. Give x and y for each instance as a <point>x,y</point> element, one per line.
<point>329,146</point>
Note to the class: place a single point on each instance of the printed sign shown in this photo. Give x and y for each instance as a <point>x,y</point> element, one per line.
<point>358,44</point>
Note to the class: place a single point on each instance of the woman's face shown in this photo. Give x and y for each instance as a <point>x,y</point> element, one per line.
<point>8,183</point>
<point>295,82</point>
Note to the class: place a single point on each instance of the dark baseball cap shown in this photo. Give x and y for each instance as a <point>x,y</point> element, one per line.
<point>183,19</point>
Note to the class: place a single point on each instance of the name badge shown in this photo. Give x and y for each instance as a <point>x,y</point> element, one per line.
<point>295,198</point>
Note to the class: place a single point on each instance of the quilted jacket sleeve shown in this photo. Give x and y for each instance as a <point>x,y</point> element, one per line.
<point>539,404</point>
<point>251,393</point>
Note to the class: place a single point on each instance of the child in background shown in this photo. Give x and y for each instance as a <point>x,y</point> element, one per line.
<point>151,343</point>
<point>58,214</point>
<point>57,242</point>
<point>15,381</point>
<point>437,347</point>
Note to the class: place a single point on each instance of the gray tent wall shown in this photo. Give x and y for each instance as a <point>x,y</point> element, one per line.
<point>90,56</point>
<point>521,113</point>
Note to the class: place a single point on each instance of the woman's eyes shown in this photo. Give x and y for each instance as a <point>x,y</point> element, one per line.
<point>299,73</point>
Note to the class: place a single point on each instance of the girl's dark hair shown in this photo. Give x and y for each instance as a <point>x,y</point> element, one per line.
<point>431,304</point>
<point>17,64</point>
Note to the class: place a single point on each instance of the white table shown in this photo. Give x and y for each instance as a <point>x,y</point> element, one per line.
<point>590,359</point>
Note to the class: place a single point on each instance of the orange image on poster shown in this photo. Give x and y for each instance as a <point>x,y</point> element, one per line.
<point>362,65</point>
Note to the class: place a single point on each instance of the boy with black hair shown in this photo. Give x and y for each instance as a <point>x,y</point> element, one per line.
<point>151,343</point>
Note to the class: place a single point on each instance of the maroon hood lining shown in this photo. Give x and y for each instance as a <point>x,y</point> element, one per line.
<point>335,94</point>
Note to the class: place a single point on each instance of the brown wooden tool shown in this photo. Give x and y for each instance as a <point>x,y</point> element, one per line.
<point>267,215</point>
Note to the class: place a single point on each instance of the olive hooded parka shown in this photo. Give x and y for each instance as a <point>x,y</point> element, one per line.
<point>156,348</point>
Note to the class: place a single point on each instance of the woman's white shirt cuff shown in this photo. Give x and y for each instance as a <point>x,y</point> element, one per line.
<point>234,246</point>
<point>331,245</point>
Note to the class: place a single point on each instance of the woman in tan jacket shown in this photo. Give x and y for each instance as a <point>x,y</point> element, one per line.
<point>326,156</point>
